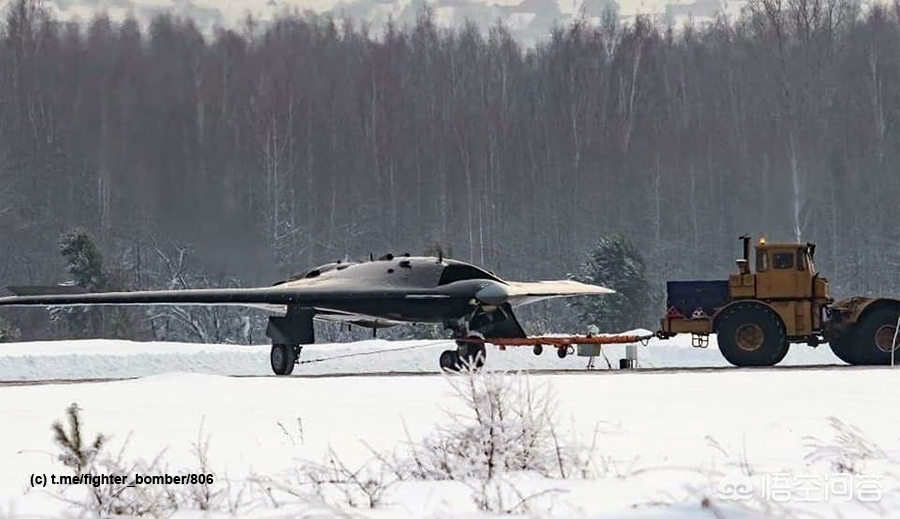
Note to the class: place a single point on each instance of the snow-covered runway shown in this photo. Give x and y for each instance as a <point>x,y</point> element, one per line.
<point>663,440</point>
<point>115,359</point>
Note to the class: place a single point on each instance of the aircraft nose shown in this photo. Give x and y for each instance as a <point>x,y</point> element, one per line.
<point>493,294</point>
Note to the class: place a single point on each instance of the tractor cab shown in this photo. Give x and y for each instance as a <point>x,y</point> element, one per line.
<point>782,270</point>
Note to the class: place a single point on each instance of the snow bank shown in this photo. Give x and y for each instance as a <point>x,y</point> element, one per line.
<point>93,359</point>
<point>103,359</point>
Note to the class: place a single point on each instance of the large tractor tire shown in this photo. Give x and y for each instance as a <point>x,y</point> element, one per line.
<point>780,357</point>
<point>873,336</point>
<point>843,349</point>
<point>751,335</point>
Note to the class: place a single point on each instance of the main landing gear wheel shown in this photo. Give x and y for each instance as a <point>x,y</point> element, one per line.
<point>283,357</point>
<point>449,361</point>
<point>471,354</point>
<point>468,355</point>
<point>874,335</point>
<point>752,335</point>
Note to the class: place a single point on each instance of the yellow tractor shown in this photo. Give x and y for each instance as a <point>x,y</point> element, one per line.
<point>757,315</point>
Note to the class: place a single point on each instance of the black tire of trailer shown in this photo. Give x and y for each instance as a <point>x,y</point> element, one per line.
<point>876,324</point>
<point>282,358</point>
<point>755,317</point>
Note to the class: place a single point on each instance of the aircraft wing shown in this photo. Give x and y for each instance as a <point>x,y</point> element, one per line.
<point>275,298</point>
<point>525,292</point>
<point>267,298</point>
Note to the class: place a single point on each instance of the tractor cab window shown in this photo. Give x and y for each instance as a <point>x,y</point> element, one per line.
<point>801,259</point>
<point>762,261</point>
<point>783,260</point>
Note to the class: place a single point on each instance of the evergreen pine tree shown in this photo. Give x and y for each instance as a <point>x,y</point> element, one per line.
<point>84,263</point>
<point>614,263</point>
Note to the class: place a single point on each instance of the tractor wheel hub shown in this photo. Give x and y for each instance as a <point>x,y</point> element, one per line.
<point>749,337</point>
<point>884,338</point>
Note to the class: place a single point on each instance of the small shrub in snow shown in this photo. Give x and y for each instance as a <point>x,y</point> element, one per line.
<point>502,494</point>
<point>505,428</point>
<point>107,498</point>
<point>850,451</point>
<point>202,494</point>
<point>75,452</point>
<point>295,441</point>
<point>363,486</point>
<point>508,425</point>
<point>505,431</point>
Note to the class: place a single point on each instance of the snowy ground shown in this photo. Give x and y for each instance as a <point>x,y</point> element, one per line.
<point>120,359</point>
<point>664,440</point>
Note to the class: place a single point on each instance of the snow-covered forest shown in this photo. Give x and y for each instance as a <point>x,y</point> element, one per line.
<point>266,149</point>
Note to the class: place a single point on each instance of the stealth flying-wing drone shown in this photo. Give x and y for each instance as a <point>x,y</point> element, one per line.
<point>376,294</point>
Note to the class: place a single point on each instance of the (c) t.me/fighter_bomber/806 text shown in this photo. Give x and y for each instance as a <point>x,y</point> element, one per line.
<point>41,480</point>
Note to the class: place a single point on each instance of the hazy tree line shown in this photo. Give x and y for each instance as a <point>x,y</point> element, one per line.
<point>267,149</point>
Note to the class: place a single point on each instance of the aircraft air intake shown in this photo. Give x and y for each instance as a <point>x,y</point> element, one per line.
<point>494,294</point>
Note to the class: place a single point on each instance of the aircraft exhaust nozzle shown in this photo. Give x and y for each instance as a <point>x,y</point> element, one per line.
<point>493,294</point>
